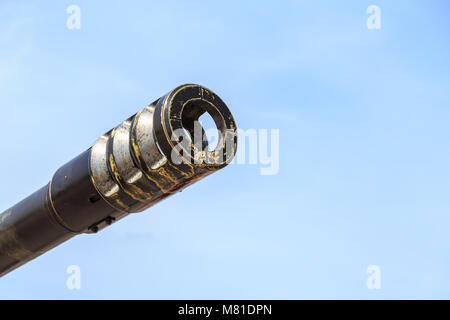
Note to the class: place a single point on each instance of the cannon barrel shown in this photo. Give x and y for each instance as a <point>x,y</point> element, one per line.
<point>158,151</point>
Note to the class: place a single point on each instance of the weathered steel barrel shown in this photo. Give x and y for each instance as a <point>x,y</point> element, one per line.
<point>153,154</point>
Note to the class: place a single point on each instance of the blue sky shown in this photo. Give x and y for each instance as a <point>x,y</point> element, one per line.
<point>364,175</point>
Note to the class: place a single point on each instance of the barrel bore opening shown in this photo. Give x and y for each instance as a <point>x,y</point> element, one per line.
<point>203,124</point>
<point>210,127</point>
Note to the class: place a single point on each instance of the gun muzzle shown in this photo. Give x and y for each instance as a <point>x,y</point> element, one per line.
<point>148,157</point>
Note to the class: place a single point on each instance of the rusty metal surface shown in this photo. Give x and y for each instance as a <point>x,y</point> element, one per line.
<point>29,229</point>
<point>128,169</point>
